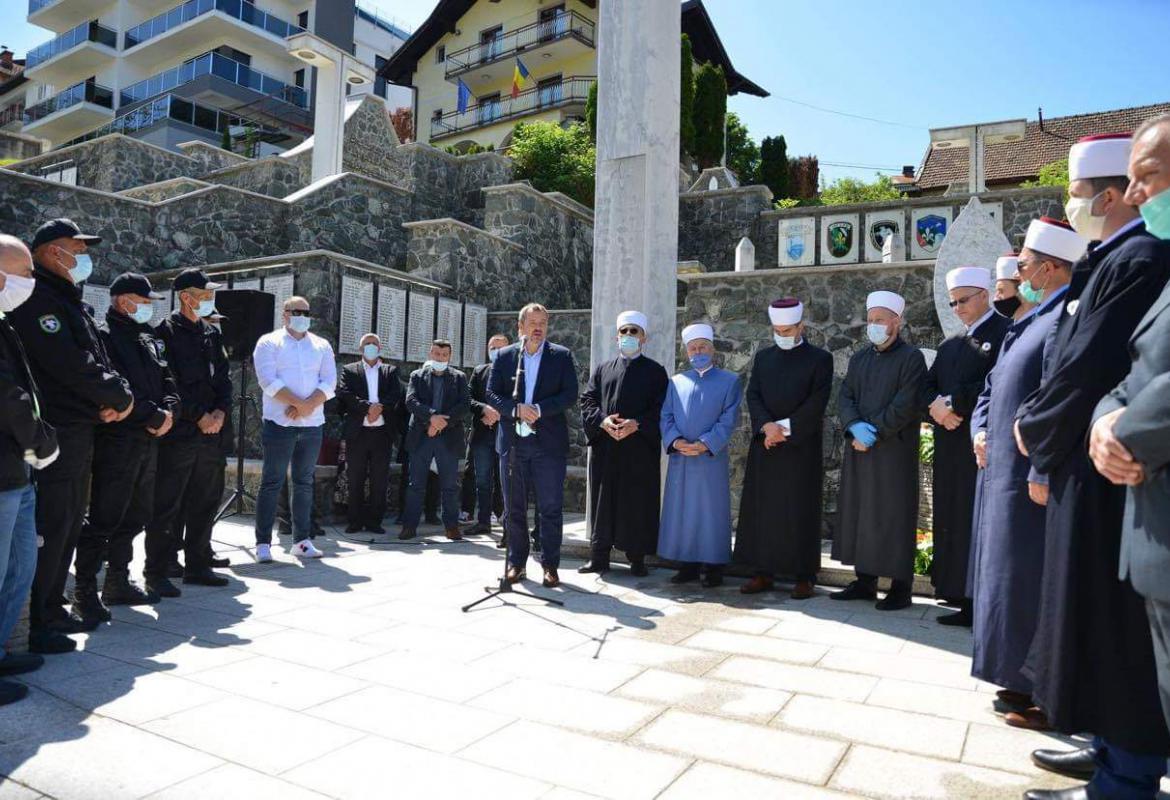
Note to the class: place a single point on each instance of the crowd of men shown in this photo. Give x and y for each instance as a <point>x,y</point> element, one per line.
<point>1050,417</point>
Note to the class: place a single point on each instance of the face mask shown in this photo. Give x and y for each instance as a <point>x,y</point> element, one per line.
<point>205,308</point>
<point>629,345</point>
<point>1008,306</point>
<point>1079,211</point>
<point>1027,292</point>
<point>700,360</point>
<point>370,351</point>
<point>493,354</point>
<point>81,271</point>
<point>877,333</point>
<point>17,289</point>
<point>439,366</point>
<point>142,313</point>
<point>300,324</point>
<point>1156,213</point>
<point>784,342</point>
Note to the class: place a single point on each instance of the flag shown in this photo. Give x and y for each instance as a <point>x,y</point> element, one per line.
<point>464,96</point>
<point>519,75</point>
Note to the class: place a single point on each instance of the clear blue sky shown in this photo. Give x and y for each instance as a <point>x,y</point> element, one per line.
<point>919,63</point>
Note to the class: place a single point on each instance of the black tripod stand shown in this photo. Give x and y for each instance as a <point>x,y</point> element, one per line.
<point>239,494</point>
<point>504,587</point>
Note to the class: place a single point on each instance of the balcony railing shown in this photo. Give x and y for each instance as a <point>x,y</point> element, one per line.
<point>171,106</point>
<point>237,9</point>
<point>36,5</point>
<point>11,114</point>
<point>532,101</point>
<point>85,32</point>
<point>84,92</point>
<point>222,66</point>
<point>561,26</point>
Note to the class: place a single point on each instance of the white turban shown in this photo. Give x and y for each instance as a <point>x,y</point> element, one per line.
<point>787,311</point>
<point>699,330</point>
<point>890,300</point>
<point>1105,156</point>
<point>1007,268</point>
<point>1055,238</point>
<point>974,277</point>
<point>633,318</point>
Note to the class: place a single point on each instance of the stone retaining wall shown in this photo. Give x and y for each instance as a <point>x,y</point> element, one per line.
<point>481,267</point>
<point>351,214</point>
<point>710,224</point>
<point>116,162</point>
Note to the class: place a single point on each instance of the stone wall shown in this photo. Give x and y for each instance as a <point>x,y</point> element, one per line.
<point>164,190</point>
<point>115,162</point>
<point>482,267</point>
<point>216,224</point>
<point>210,157</point>
<point>19,146</point>
<point>273,176</point>
<point>711,223</point>
<point>351,214</point>
<point>475,173</point>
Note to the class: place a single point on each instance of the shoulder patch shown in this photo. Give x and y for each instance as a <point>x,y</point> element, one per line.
<point>49,323</point>
<point>1072,307</point>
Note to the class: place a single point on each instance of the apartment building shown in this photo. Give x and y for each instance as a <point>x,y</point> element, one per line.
<point>13,88</point>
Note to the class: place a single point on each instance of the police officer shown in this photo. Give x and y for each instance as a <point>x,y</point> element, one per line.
<point>191,457</point>
<point>79,389</point>
<point>125,453</point>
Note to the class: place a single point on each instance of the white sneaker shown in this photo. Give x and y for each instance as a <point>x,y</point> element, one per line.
<point>263,553</point>
<point>305,549</point>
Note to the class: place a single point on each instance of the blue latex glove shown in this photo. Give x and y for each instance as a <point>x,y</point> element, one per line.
<point>864,432</point>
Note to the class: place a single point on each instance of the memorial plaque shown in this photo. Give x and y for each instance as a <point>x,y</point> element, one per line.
<point>161,308</point>
<point>357,313</point>
<point>474,335</point>
<point>391,327</point>
<point>928,230</point>
<point>797,245</point>
<point>450,327</point>
<point>99,299</point>
<point>840,239</point>
<point>420,326</point>
<point>280,287</point>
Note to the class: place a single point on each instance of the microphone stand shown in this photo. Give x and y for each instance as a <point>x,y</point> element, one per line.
<point>504,587</point>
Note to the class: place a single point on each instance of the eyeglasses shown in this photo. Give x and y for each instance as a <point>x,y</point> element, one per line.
<point>629,330</point>
<point>299,312</point>
<point>962,301</point>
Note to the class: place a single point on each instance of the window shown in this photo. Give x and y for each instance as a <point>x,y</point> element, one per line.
<point>440,54</point>
<point>550,90</point>
<point>64,172</point>
<point>234,54</point>
<point>379,81</point>
<point>299,79</point>
<point>489,109</point>
<point>303,19</point>
<point>553,22</point>
<point>491,43</point>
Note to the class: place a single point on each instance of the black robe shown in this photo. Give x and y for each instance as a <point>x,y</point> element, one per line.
<point>625,476</point>
<point>779,529</point>
<point>959,370</point>
<point>877,509</point>
<point>1092,660</point>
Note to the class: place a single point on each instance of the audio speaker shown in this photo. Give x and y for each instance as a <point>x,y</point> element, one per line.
<point>247,315</point>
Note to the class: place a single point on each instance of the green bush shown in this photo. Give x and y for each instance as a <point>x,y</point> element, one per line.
<point>1054,174</point>
<point>555,159</point>
<point>924,557</point>
<point>743,157</point>
<point>845,191</point>
<point>591,112</point>
<point>710,115</point>
<point>926,445</point>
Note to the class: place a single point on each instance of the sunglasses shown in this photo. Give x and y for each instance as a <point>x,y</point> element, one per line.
<point>629,331</point>
<point>300,312</point>
<point>962,301</point>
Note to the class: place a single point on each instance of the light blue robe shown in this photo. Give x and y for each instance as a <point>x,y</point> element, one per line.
<point>696,508</point>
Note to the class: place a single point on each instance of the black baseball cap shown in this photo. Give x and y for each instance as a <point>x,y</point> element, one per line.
<point>61,229</point>
<point>133,283</point>
<point>194,278</point>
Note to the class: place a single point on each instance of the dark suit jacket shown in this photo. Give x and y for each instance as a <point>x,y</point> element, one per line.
<point>1145,429</point>
<point>456,403</point>
<point>353,399</point>
<point>555,393</point>
<point>479,383</point>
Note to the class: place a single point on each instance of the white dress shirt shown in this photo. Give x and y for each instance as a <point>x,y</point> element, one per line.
<point>300,365</point>
<point>373,372</point>
<point>531,372</point>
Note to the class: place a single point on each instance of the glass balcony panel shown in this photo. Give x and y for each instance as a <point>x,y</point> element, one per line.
<point>238,9</point>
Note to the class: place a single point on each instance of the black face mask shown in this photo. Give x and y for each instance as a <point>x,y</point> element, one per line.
<point>1007,307</point>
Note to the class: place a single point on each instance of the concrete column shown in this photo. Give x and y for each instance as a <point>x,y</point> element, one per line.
<point>635,233</point>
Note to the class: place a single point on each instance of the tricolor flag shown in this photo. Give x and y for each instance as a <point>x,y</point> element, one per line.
<point>464,96</point>
<point>518,76</point>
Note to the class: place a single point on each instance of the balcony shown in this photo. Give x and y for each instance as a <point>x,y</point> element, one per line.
<point>64,115</point>
<point>565,94</point>
<point>177,26</point>
<point>563,36</point>
<point>83,50</point>
<point>12,115</point>
<point>62,15</point>
<point>218,66</point>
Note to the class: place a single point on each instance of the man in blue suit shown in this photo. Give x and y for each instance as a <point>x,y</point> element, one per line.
<point>536,430</point>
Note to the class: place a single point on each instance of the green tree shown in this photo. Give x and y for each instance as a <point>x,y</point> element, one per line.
<point>709,115</point>
<point>591,112</point>
<point>1054,174</point>
<point>686,101</point>
<point>555,159</point>
<point>743,156</point>
<point>844,191</point>
<point>774,166</point>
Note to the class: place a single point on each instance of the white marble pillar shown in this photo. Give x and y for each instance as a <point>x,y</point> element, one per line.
<point>635,233</point>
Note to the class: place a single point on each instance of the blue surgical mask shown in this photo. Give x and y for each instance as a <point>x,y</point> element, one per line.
<point>300,324</point>
<point>1156,213</point>
<point>370,351</point>
<point>142,313</point>
<point>439,366</point>
<point>629,345</point>
<point>493,354</point>
<point>81,271</point>
<point>701,360</point>
<point>784,342</point>
<point>877,333</point>
<point>205,308</point>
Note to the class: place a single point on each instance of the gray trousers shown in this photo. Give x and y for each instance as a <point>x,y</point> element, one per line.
<point>1159,614</point>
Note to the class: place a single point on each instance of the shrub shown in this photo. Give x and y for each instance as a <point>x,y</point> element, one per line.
<point>844,191</point>
<point>743,157</point>
<point>774,166</point>
<point>555,159</point>
<point>1054,174</point>
<point>710,115</point>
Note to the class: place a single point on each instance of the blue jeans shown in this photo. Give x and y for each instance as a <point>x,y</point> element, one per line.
<point>420,463</point>
<point>536,470</point>
<point>18,555</point>
<point>282,446</point>
<point>484,457</point>
<point>1124,775</point>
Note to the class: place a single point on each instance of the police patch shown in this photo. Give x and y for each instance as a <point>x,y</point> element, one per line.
<point>49,323</point>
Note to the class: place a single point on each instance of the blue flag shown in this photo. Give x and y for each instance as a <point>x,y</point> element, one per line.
<point>464,96</point>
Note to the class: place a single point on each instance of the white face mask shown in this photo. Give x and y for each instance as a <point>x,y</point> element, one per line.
<point>17,289</point>
<point>439,366</point>
<point>877,333</point>
<point>300,324</point>
<point>1079,211</point>
<point>784,342</point>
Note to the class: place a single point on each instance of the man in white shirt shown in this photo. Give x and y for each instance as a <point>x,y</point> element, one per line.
<point>298,374</point>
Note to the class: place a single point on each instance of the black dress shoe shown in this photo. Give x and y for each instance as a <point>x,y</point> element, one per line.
<point>121,591</point>
<point>857,590</point>
<point>20,663</point>
<point>375,529</point>
<point>685,575</point>
<point>73,622</point>
<point>593,566</point>
<point>894,601</point>
<point>407,533</point>
<point>50,642</point>
<point>1075,793</point>
<point>353,528</point>
<point>638,569</point>
<point>87,605</point>
<point>712,579</point>
<point>1070,763</point>
<point>205,578</point>
<point>503,543</point>
<point>163,587</point>
<point>11,691</point>
<point>478,529</point>
<point>218,562</point>
<point>960,619</point>
<point>174,570</point>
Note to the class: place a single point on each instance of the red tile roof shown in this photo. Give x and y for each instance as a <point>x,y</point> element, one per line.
<point>1020,161</point>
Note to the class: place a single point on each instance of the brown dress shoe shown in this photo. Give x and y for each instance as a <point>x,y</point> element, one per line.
<point>1032,719</point>
<point>551,579</point>
<point>759,583</point>
<point>514,574</point>
<point>454,535</point>
<point>803,590</point>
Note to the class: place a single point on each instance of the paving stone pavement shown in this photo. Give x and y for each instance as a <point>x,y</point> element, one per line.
<point>358,676</point>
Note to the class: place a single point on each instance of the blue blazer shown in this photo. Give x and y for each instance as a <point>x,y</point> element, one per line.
<point>556,392</point>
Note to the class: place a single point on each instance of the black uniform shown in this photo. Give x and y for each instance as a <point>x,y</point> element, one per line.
<point>76,380</point>
<point>21,426</point>
<point>190,462</point>
<point>125,453</point>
